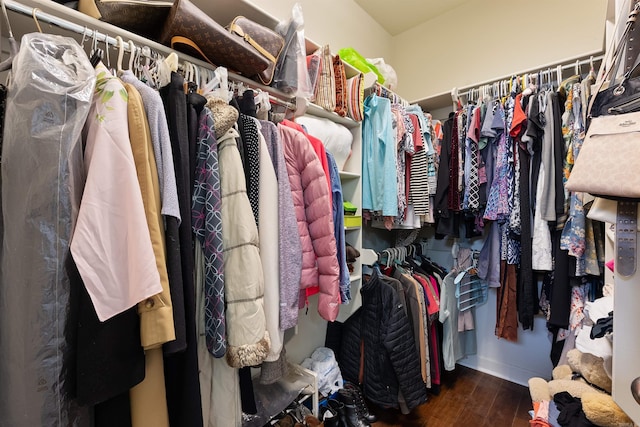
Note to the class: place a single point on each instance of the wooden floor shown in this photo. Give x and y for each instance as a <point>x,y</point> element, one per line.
<point>467,398</point>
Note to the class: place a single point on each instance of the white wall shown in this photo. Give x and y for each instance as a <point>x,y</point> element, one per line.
<point>516,362</point>
<point>340,23</point>
<point>483,40</point>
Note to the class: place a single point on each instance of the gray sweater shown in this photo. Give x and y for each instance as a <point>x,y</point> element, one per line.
<point>154,108</point>
<point>290,246</point>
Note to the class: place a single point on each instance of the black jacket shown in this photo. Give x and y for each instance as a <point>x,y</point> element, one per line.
<point>391,360</point>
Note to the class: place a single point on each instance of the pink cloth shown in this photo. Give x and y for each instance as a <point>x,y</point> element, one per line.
<point>318,147</point>
<point>111,244</point>
<point>312,203</point>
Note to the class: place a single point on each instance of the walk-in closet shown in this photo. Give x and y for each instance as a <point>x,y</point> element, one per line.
<point>340,213</point>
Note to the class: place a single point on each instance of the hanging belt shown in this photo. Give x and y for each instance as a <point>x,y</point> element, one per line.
<point>626,238</point>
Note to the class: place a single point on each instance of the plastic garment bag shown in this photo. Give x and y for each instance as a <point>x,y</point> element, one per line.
<point>42,175</point>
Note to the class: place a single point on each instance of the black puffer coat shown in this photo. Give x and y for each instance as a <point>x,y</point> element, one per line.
<point>391,360</point>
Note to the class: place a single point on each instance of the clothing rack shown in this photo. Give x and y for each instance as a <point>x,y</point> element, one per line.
<point>545,71</point>
<point>90,28</point>
<point>382,91</point>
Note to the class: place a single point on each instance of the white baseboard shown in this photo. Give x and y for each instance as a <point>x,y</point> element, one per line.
<point>515,374</point>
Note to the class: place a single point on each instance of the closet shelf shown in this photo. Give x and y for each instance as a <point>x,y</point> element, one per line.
<point>315,110</point>
<point>357,227</point>
<point>349,175</point>
<point>355,278</point>
<point>380,225</point>
<point>77,22</point>
<point>434,102</point>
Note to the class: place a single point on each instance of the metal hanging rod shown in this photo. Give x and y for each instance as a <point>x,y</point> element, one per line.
<point>386,93</point>
<point>564,65</point>
<point>62,23</point>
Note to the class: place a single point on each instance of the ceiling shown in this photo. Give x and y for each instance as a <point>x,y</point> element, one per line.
<point>397,16</point>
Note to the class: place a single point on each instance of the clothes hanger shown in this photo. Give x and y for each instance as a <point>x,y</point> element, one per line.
<point>410,250</point>
<point>455,98</point>
<point>141,68</point>
<point>107,53</point>
<point>470,293</point>
<point>34,12</point>
<point>196,76</point>
<point>393,256</point>
<point>592,71</point>
<point>120,54</point>
<point>132,54</point>
<point>137,64</point>
<point>165,67</point>
<point>96,52</point>
<point>204,77</point>
<point>389,257</point>
<point>186,70</point>
<point>84,39</point>
<point>578,68</point>
<point>150,67</point>
<point>13,45</point>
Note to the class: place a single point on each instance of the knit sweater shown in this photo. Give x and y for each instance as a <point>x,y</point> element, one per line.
<point>290,246</point>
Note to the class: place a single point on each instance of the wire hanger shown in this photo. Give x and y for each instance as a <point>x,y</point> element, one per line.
<point>13,45</point>
<point>35,18</point>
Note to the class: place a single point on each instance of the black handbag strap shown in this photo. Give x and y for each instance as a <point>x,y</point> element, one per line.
<point>616,53</point>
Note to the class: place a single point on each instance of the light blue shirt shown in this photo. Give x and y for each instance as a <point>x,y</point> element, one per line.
<point>379,174</point>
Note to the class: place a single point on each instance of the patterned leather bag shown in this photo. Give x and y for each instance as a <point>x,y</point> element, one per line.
<point>144,17</point>
<point>267,42</point>
<point>607,163</point>
<point>189,30</point>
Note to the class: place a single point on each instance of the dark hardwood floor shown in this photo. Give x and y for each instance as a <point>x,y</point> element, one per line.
<point>468,398</point>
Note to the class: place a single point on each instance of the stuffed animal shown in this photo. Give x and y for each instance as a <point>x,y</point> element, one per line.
<point>592,385</point>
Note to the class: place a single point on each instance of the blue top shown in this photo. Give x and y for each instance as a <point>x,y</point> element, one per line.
<point>379,175</point>
<point>338,223</point>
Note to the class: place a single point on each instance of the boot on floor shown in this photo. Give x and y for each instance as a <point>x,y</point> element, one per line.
<point>330,414</point>
<point>362,405</point>
<point>351,411</point>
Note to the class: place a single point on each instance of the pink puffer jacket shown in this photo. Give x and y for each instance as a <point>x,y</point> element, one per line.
<point>311,200</point>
